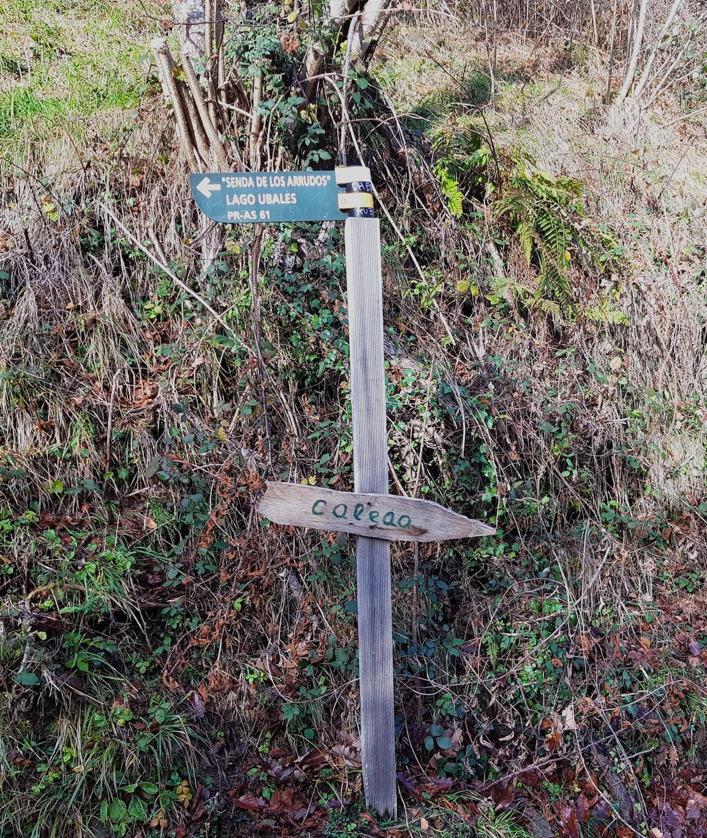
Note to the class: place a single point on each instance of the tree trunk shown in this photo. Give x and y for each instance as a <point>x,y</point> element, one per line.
<point>189,16</point>
<point>635,52</point>
<point>363,28</point>
<point>372,21</point>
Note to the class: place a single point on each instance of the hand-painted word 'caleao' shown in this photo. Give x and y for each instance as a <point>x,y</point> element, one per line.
<point>267,197</point>
<point>387,517</point>
<point>341,511</point>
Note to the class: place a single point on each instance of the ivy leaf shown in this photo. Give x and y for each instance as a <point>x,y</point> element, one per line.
<point>137,809</point>
<point>27,679</point>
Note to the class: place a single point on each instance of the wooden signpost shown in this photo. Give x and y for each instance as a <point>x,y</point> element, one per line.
<point>371,514</point>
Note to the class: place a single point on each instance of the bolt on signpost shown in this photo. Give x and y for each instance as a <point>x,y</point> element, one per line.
<point>369,512</point>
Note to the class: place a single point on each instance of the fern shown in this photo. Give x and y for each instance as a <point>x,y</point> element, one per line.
<point>606,312</point>
<point>450,188</point>
<point>545,213</point>
<point>526,238</point>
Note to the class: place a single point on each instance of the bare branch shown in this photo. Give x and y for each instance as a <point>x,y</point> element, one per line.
<point>635,52</point>
<point>165,65</point>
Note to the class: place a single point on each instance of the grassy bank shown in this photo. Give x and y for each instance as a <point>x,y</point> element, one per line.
<point>173,665</point>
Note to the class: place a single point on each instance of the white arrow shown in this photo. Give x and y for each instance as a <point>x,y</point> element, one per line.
<point>207,188</point>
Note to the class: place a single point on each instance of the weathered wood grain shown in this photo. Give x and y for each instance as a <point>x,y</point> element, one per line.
<point>364,286</point>
<point>389,517</point>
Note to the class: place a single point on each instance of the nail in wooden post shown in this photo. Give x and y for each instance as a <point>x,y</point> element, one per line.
<point>375,627</point>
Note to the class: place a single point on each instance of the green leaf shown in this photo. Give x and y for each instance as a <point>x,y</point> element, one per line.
<point>444,742</point>
<point>437,730</point>
<point>118,811</point>
<point>27,679</point>
<point>149,788</point>
<point>137,809</point>
<point>429,743</point>
<point>153,466</point>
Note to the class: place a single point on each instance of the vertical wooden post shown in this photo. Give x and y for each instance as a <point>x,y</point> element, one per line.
<point>289,504</point>
<point>368,399</point>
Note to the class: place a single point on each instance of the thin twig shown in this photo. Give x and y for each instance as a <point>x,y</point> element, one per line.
<point>175,279</point>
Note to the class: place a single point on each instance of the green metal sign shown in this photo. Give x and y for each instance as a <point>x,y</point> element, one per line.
<point>267,197</point>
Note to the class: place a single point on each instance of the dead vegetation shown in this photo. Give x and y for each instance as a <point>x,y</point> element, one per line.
<point>550,680</point>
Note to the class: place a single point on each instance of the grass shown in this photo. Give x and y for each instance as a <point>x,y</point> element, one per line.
<point>95,770</point>
<point>168,662</point>
<point>63,63</point>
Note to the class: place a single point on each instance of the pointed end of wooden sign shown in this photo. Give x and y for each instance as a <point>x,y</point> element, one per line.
<point>480,529</point>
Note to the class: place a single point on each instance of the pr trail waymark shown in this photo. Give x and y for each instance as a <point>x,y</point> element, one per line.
<point>371,514</point>
<point>268,197</point>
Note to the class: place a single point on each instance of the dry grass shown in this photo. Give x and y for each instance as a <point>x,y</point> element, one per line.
<point>644,182</point>
<point>98,345</point>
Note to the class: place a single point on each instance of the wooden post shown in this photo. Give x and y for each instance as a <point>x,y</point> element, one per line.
<point>231,198</point>
<point>370,451</point>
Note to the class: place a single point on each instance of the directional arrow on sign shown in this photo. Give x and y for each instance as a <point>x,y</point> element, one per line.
<point>207,188</point>
<point>272,197</point>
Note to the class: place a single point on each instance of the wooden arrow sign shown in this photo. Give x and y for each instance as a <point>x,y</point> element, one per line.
<point>388,517</point>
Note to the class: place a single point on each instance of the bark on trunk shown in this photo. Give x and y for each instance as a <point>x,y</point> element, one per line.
<point>189,16</point>
<point>363,26</point>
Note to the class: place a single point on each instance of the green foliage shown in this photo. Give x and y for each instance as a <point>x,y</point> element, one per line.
<point>95,768</point>
<point>492,824</point>
<point>450,189</point>
<point>297,125</point>
<point>543,212</point>
<point>546,214</point>
<point>156,637</point>
<point>79,66</point>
